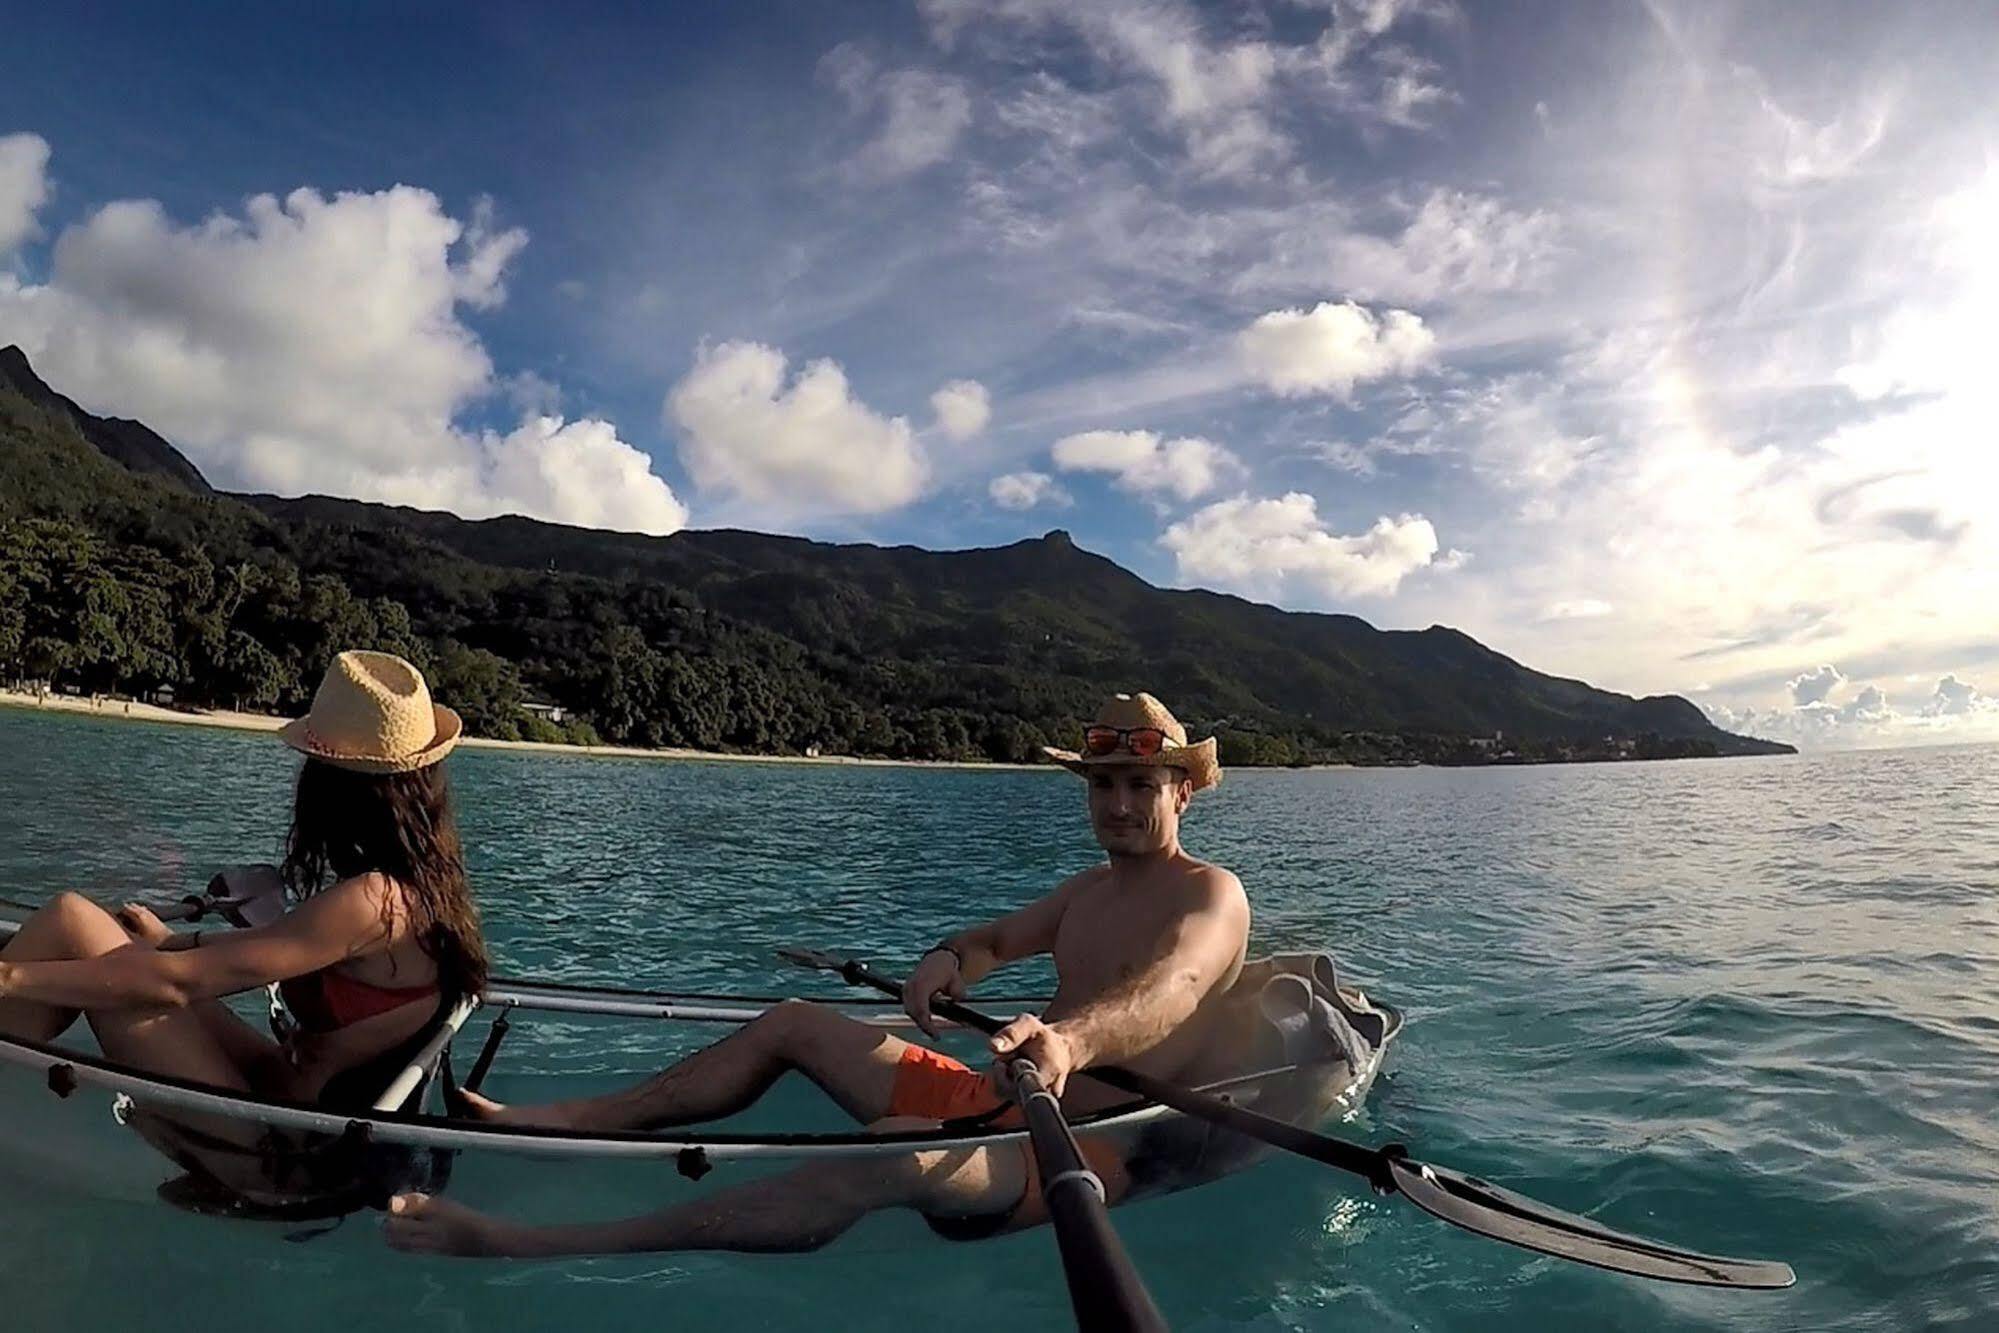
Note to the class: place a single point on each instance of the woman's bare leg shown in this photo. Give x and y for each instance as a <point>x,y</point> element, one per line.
<point>51,934</point>
<point>161,1041</point>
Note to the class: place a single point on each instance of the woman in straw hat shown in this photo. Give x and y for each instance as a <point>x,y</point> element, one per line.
<point>382,935</point>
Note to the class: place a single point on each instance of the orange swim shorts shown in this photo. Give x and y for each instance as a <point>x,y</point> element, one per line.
<point>936,1087</point>
<point>932,1085</point>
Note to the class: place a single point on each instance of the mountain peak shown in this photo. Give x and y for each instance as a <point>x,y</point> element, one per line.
<point>18,375</point>
<point>134,447</point>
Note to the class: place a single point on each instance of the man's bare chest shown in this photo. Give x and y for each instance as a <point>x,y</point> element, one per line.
<point>1110,936</point>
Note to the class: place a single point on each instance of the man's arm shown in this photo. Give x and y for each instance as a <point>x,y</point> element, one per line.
<point>1023,934</point>
<point>1135,1016</point>
<point>960,961</point>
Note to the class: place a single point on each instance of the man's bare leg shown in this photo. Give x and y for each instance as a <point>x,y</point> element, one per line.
<point>853,1062</point>
<point>799,1210</point>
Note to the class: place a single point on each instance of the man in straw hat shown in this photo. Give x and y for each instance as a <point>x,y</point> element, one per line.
<point>1146,944</point>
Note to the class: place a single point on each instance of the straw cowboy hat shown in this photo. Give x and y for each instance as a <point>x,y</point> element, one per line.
<point>373,714</point>
<point>1137,729</point>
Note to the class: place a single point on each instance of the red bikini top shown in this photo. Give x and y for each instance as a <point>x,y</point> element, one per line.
<point>325,1000</point>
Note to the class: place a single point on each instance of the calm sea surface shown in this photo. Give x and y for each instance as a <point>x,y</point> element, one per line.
<point>1748,1006</point>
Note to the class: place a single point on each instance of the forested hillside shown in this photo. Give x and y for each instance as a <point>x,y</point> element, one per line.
<point>120,569</point>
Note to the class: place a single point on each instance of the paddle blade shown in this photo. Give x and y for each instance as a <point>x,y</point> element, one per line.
<point>1499,1214</point>
<point>817,959</point>
<point>247,896</point>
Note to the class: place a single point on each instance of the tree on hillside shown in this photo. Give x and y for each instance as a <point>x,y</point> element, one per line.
<point>13,614</point>
<point>483,687</point>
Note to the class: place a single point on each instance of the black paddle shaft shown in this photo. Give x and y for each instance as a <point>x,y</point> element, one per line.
<point>1105,1289</point>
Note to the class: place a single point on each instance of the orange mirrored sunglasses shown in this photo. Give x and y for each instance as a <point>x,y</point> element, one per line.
<point>1140,742</point>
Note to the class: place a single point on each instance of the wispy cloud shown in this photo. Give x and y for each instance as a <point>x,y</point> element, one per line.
<point>915,116</point>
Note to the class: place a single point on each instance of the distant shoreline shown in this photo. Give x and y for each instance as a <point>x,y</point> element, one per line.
<point>136,711</point>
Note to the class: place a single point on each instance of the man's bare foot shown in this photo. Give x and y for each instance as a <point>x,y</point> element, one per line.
<point>421,1224</point>
<point>471,1106</point>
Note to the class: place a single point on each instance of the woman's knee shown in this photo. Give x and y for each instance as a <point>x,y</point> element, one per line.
<point>72,917</point>
<point>72,905</point>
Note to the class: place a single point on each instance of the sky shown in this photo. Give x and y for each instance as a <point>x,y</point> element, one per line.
<point>1648,343</point>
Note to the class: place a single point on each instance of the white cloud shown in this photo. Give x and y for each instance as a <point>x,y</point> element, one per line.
<point>1585,608</point>
<point>314,344</point>
<point>1346,456</point>
<point>1332,347</point>
<point>1955,698</point>
<point>963,409</point>
<point>1221,98</point>
<point>919,115</point>
<point>1213,94</point>
<point>576,472</point>
<point>1025,490</point>
<point>1955,712</point>
<point>1455,244</point>
<point>1411,87</point>
<point>1799,153</point>
<point>1144,464</point>
<point>1063,120</point>
<point>1868,706</point>
<point>807,447</point>
<point>532,395</point>
<point>480,278</point>
<point>1375,17</point>
<point>1450,560</point>
<point>1270,546</point>
<point>1815,686</point>
<point>24,188</point>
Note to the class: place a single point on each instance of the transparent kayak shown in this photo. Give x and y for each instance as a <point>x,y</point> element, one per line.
<point>327,1162</point>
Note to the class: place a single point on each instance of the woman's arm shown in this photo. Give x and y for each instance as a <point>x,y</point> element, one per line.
<point>346,921</point>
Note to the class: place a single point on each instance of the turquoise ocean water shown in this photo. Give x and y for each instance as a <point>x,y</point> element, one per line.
<point>1748,1006</point>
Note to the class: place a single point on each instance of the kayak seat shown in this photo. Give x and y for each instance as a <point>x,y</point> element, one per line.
<point>309,1175</point>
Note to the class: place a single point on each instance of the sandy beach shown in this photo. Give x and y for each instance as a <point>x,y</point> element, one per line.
<point>137,711</point>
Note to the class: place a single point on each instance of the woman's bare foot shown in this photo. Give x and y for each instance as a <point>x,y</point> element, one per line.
<point>421,1224</point>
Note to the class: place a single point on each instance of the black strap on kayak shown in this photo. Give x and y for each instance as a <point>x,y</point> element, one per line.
<point>496,1034</point>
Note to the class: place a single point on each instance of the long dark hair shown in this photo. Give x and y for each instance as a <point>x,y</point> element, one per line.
<point>399,825</point>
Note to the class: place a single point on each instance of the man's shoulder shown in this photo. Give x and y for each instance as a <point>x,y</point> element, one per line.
<point>1085,880</point>
<point>1213,879</point>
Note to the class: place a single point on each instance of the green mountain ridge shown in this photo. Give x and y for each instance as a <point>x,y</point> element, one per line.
<point>726,639</point>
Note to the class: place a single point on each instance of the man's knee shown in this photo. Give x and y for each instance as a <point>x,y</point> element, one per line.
<point>789,1023</point>
<point>922,1180</point>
